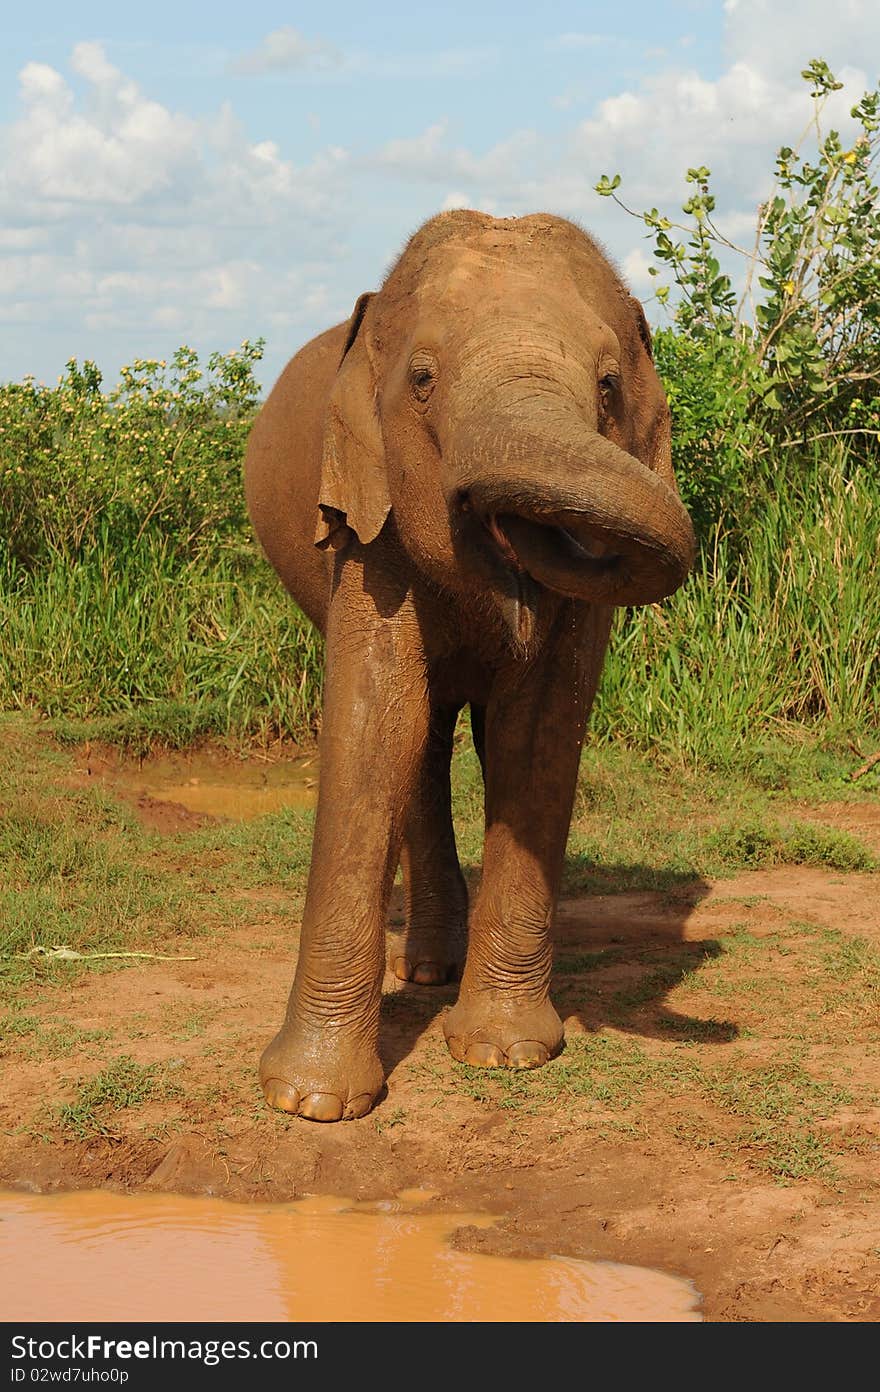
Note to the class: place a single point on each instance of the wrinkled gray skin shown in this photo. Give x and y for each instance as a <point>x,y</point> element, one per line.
<point>457,486</point>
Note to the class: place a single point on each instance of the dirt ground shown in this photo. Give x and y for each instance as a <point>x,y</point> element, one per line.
<point>635,1163</point>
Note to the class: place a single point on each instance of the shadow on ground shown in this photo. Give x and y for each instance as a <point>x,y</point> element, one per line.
<point>617,957</point>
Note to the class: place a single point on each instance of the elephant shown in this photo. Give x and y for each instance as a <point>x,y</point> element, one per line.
<point>457,486</point>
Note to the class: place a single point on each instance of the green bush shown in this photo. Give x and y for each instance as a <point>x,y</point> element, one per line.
<point>132,593</point>
<point>162,452</point>
<point>757,381</point>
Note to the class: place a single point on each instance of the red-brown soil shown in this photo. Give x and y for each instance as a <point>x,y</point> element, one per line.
<point>657,1179</point>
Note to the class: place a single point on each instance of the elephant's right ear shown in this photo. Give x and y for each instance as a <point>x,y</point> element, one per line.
<point>354,485</point>
<point>642,325</point>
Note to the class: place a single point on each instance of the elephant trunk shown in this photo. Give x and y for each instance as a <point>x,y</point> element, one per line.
<point>573,510</point>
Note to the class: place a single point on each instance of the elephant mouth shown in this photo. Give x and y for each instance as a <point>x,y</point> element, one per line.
<point>561,557</point>
<point>569,560</point>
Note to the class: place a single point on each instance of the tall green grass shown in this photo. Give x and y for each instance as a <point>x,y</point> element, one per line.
<point>777,627</point>
<point>159,648</point>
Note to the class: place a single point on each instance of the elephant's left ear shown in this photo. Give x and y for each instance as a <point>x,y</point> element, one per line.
<point>354,485</point>
<point>653,446</point>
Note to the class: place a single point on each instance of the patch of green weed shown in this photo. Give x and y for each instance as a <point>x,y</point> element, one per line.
<point>122,1085</point>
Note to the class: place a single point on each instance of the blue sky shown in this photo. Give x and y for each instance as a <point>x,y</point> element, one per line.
<point>169,176</point>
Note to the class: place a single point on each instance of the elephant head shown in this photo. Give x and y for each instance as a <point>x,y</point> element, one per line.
<point>498,396</point>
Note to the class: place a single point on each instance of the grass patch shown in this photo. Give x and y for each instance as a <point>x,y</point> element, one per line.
<point>77,868</point>
<point>774,631</point>
<point>580,963</point>
<point>58,1039</point>
<point>602,1068</point>
<point>133,599</point>
<point>762,844</point>
<point>773,1093</point>
<point>799,1154</point>
<point>67,878</point>
<point>122,1085</point>
<point>639,824</point>
<point>156,651</point>
<point>616,1076</point>
<point>677,968</point>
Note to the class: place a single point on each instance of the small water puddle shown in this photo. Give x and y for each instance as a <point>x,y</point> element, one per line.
<point>100,1256</point>
<point>239,792</point>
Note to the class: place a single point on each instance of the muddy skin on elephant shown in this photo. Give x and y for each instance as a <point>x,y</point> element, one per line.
<point>457,486</point>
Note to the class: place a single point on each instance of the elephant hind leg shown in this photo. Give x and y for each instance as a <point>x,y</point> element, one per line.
<point>434,943</point>
<point>478,731</point>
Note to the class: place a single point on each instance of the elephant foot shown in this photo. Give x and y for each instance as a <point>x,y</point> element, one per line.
<point>430,957</point>
<point>489,1030</point>
<point>313,1078</point>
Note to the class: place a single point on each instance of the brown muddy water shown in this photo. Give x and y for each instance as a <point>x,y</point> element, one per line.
<point>239,792</point>
<point>103,1256</point>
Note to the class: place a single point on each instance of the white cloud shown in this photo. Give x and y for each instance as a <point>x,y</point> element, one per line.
<point>654,130</point>
<point>780,39</point>
<point>635,267</point>
<point>119,150</point>
<point>285,50</point>
<point>480,202</point>
<point>427,157</point>
<point>22,238</point>
<point>90,61</point>
<point>44,89</point>
<point>439,62</point>
<point>16,312</point>
<point>417,152</point>
<point>678,119</point>
<point>121,216</point>
<point>124,222</point>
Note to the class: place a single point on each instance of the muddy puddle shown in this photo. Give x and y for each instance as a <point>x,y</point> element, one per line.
<point>210,787</point>
<point>103,1256</point>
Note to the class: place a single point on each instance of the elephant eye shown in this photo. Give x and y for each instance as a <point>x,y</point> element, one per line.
<point>609,383</point>
<point>422,374</point>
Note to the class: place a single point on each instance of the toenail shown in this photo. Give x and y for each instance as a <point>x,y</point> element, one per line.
<point>281,1095</point>
<point>484,1055</point>
<point>429,974</point>
<point>358,1106</point>
<point>527,1053</point>
<point>321,1106</point>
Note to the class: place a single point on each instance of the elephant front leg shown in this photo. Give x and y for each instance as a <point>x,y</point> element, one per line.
<point>535,725</point>
<point>324,1062</point>
<point>435,894</point>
